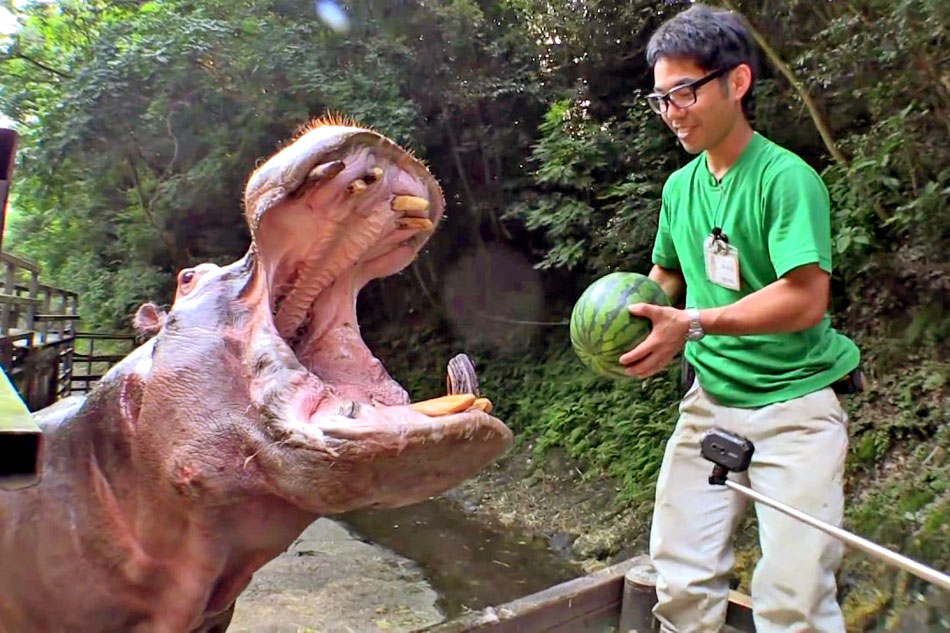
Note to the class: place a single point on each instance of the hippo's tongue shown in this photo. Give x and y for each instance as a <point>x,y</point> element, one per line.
<point>334,350</point>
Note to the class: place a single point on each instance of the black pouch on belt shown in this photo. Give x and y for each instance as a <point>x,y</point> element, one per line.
<point>687,376</point>
<point>850,384</point>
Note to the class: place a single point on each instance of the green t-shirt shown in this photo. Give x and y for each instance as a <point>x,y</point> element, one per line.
<point>774,209</point>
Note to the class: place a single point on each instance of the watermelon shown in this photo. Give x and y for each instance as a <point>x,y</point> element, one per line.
<point>602,328</point>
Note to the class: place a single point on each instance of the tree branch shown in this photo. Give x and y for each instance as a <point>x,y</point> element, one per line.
<point>37,63</point>
<point>802,91</point>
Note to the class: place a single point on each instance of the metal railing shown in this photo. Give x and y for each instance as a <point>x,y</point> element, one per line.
<point>112,349</point>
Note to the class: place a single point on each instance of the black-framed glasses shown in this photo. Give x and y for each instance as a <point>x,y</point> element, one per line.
<point>682,96</point>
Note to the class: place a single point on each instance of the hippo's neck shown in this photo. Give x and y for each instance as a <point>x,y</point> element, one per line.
<point>143,552</point>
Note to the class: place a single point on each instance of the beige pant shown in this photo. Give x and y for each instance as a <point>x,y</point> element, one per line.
<point>800,449</point>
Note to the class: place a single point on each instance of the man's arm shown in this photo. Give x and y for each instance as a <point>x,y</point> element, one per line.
<point>795,302</point>
<point>671,281</point>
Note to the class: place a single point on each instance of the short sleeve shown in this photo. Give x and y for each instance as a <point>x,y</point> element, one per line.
<point>797,219</point>
<point>664,250</point>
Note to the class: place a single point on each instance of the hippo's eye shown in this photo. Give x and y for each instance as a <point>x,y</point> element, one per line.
<point>185,278</point>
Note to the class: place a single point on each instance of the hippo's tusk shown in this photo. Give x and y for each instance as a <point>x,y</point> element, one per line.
<point>326,171</point>
<point>419,224</point>
<point>412,206</point>
<point>373,175</point>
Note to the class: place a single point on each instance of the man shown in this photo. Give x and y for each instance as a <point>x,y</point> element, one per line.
<point>745,229</point>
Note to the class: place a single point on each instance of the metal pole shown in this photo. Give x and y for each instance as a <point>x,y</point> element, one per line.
<point>912,566</point>
<point>8,144</point>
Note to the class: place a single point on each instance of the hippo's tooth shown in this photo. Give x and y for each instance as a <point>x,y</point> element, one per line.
<point>419,224</point>
<point>357,186</point>
<point>350,409</point>
<point>373,175</point>
<point>482,404</point>
<point>445,405</point>
<point>412,206</point>
<point>325,170</point>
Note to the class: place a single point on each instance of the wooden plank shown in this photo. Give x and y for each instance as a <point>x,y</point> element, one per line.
<point>99,358</point>
<point>589,604</point>
<point>561,608</point>
<point>54,340</point>
<point>19,262</point>
<point>44,325</point>
<point>57,317</point>
<point>18,336</point>
<point>45,288</point>
<point>8,317</point>
<point>17,300</point>
<point>105,335</point>
<point>34,292</point>
<point>739,613</point>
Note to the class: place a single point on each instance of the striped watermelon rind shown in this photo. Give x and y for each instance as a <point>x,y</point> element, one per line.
<point>602,328</point>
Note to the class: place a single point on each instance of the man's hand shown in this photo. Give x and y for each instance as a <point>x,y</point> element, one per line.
<point>662,345</point>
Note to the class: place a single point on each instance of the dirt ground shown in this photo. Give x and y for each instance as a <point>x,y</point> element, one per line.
<point>553,498</point>
<point>328,581</point>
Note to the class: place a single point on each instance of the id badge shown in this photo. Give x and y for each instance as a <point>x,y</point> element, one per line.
<point>722,263</point>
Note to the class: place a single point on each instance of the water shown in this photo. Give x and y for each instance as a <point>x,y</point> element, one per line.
<point>470,565</point>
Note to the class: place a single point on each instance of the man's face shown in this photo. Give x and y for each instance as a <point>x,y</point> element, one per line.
<point>706,123</point>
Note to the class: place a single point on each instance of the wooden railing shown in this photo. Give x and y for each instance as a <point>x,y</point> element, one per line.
<point>37,329</point>
<point>29,306</point>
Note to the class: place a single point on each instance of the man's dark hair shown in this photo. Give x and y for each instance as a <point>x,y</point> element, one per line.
<point>713,38</point>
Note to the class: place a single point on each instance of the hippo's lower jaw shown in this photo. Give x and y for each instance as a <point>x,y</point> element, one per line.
<point>338,208</point>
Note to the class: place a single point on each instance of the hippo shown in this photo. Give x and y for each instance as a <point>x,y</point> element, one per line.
<point>253,408</point>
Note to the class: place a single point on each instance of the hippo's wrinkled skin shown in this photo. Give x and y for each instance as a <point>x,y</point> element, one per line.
<point>255,409</point>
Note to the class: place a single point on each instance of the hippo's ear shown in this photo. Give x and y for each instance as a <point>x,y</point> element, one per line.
<point>149,319</point>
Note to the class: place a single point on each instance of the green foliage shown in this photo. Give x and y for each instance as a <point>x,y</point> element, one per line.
<point>599,187</point>
<point>912,415</point>
<point>140,122</point>
<point>908,510</point>
<point>619,427</point>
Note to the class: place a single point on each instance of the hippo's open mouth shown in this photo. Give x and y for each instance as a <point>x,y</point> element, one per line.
<point>338,208</point>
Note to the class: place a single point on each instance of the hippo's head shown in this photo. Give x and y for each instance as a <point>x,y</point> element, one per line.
<point>258,380</point>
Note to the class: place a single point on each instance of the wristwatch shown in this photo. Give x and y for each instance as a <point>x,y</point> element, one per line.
<point>695,331</point>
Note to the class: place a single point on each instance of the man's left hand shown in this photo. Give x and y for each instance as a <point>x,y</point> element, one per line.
<point>657,350</point>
